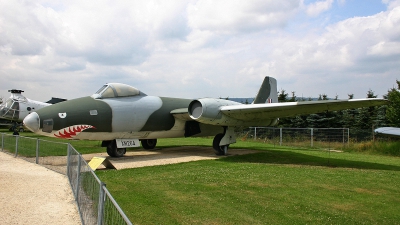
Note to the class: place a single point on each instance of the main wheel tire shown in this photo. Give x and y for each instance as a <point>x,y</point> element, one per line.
<point>113,151</point>
<point>219,150</point>
<point>110,152</point>
<point>120,152</point>
<point>149,143</point>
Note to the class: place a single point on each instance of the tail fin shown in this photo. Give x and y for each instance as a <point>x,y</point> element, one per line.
<point>268,92</point>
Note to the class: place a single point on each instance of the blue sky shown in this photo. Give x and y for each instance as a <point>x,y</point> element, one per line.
<point>199,48</point>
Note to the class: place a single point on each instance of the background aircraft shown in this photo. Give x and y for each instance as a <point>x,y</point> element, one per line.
<point>14,109</point>
<point>120,116</point>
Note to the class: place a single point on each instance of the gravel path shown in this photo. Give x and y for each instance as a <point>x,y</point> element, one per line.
<point>32,194</point>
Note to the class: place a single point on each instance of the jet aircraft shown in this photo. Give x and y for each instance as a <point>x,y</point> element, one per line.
<point>17,107</point>
<point>120,116</point>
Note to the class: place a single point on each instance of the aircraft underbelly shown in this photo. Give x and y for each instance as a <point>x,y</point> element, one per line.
<point>177,131</point>
<point>121,135</point>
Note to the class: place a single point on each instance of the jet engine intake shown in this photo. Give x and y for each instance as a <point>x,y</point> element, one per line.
<point>207,110</point>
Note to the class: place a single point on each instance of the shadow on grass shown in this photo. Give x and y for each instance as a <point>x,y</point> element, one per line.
<point>295,158</point>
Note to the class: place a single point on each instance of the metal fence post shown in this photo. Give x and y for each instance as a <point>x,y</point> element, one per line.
<point>16,145</point>
<point>78,175</point>
<point>255,133</point>
<point>100,213</point>
<point>2,142</point>
<point>68,162</point>
<point>280,136</point>
<point>312,137</point>
<point>37,150</point>
<point>343,136</point>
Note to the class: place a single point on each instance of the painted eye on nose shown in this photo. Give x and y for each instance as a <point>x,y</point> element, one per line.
<point>62,115</point>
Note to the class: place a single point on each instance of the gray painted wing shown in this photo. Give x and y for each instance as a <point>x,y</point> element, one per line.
<point>389,131</point>
<point>289,109</point>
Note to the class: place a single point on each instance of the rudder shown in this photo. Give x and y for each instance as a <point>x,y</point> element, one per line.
<point>268,92</point>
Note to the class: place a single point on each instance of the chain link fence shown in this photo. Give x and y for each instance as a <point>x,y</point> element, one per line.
<point>94,201</point>
<point>299,137</point>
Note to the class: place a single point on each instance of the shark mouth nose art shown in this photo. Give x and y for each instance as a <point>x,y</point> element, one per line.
<point>72,131</point>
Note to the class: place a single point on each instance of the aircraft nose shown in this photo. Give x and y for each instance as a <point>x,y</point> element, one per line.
<point>32,121</point>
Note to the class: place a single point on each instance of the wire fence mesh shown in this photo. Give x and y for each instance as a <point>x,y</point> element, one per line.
<point>95,203</point>
<point>299,137</point>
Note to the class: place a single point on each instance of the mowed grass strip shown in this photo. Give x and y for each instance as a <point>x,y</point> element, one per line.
<point>270,187</point>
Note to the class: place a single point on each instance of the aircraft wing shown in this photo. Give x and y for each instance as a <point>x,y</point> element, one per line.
<point>181,114</point>
<point>289,109</point>
<point>388,131</point>
<point>228,113</point>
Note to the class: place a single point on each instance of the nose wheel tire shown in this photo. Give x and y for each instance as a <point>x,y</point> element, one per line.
<point>113,151</point>
<point>149,143</point>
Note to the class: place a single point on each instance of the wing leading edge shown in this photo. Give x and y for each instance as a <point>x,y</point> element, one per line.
<point>289,109</point>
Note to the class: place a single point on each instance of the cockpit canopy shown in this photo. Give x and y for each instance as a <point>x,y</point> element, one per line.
<point>9,109</point>
<point>115,90</point>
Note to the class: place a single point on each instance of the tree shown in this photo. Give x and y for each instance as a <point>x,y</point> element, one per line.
<point>368,118</point>
<point>292,121</point>
<point>293,98</point>
<point>283,96</point>
<point>393,108</point>
<point>325,119</point>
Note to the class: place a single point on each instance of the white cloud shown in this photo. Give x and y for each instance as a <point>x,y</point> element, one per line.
<point>240,16</point>
<point>392,3</point>
<point>363,48</point>
<point>193,48</point>
<point>314,9</point>
<point>342,2</point>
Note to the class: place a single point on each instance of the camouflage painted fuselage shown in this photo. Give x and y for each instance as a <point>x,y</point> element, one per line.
<point>141,116</point>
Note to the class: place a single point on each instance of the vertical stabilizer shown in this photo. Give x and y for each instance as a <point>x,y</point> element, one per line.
<point>268,92</point>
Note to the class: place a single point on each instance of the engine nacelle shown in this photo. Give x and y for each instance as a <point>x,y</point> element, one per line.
<point>207,110</point>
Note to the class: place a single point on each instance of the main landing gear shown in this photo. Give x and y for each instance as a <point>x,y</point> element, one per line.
<point>221,144</point>
<point>149,143</point>
<point>114,151</point>
<point>221,141</point>
<point>219,150</point>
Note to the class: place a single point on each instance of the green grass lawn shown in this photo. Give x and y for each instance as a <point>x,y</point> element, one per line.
<point>274,186</point>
